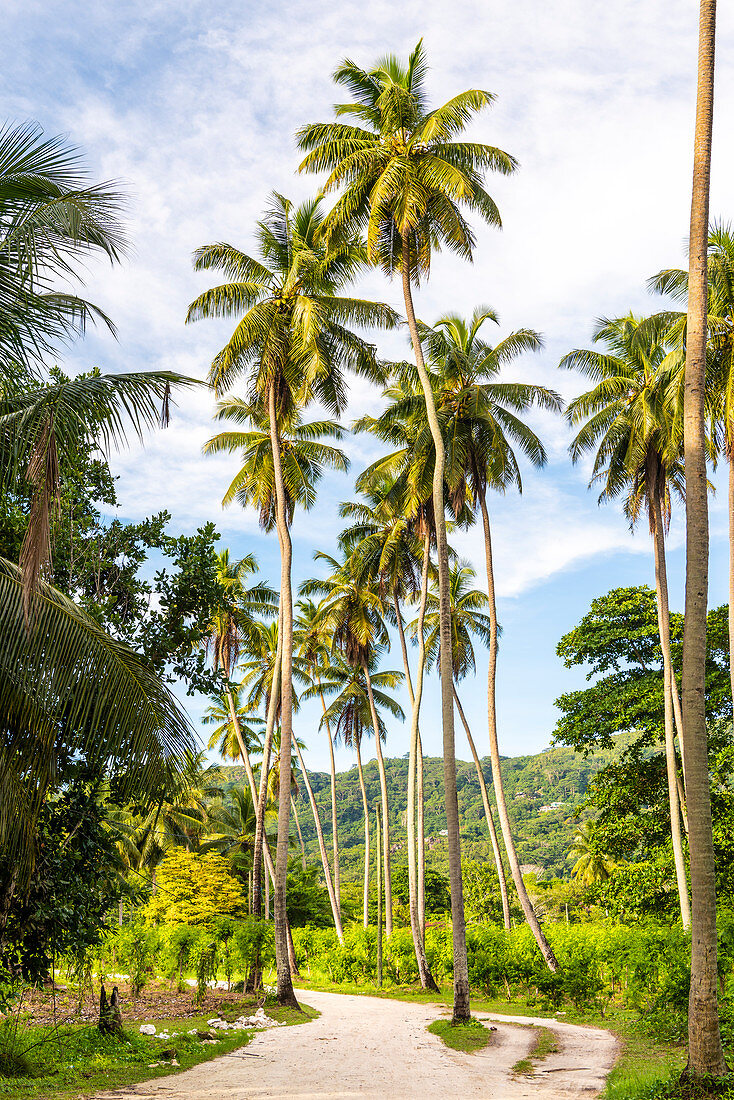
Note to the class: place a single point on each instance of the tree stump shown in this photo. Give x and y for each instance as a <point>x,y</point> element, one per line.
<point>110,1020</point>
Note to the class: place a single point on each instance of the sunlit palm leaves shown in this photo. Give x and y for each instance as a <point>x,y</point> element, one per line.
<point>67,688</point>
<point>52,219</point>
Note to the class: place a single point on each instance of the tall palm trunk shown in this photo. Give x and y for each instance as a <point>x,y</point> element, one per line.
<point>265,771</point>
<point>705,1054</point>
<point>366,811</point>
<point>285,994</point>
<point>424,973</point>
<point>421,843</point>
<point>294,811</point>
<point>461,966</point>
<point>334,828</point>
<point>489,816</point>
<point>661,592</point>
<point>322,847</point>
<point>420,826</point>
<point>494,752</point>
<point>383,792</point>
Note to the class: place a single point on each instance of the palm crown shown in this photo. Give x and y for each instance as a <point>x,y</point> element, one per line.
<point>401,173</point>
<point>292,333</point>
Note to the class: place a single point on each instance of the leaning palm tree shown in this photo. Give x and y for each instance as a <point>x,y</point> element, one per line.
<point>630,420</point>
<point>481,412</point>
<point>405,178</point>
<point>353,615</point>
<point>705,1052</point>
<point>292,343</point>
<point>52,220</point>
<point>353,712</point>
<point>232,828</point>
<point>468,617</point>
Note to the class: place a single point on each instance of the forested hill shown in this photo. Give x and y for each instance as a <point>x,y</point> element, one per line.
<point>556,778</point>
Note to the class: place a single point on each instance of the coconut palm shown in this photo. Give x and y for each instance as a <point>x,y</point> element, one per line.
<point>261,677</point>
<point>69,690</point>
<point>404,178</point>
<point>52,220</point>
<point>482,413</point>
<point>224,735</point>
<point>705,1052</point>
<point>631,422</point>
<point>44,427</point>
<point>232,828</point>
<point>313,644</point>
<point>467,618</point>
<point>590,865</point>
<point>354,617</point>
<point>354,711</point>
<point>386,552</point>
<point>292,343</point>
<point>720,366</point>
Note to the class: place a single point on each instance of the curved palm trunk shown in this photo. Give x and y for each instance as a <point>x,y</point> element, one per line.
<point>322,847</point>
<point>294,811</point>
<point>264,772</point>
<point>494,753</point>
<point>488,815</point>
<point>661,591</point>
<point>424,973</point>
<point>705,1054</point>
<point>334,829</point>
<point>366,811</point>
<point>462,1009</point>
<point>383,792</point>
<point>285,994</point>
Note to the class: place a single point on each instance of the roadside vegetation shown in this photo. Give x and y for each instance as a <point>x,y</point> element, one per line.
<point>123,852</point>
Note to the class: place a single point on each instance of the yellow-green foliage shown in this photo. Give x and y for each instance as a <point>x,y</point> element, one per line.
<point>194,888</point>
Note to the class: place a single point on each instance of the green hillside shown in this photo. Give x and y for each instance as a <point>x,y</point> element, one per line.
<point>555,778</point>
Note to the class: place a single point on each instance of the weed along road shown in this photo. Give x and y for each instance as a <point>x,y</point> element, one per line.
<point>369,1047</point>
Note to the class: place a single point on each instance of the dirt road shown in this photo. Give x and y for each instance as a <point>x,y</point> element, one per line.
<point>369,1047</point>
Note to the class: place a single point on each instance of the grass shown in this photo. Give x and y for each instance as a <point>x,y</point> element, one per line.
<point>468,1036</point>
<point>76,1061</point>
<point>545,1044</point>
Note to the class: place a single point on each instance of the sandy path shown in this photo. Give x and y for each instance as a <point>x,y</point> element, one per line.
<point>370,1047</point>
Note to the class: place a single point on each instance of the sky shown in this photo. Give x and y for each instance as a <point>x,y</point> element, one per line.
<point>193,106</point>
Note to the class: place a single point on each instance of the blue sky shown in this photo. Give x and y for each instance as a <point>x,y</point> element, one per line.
<point>194,106</point>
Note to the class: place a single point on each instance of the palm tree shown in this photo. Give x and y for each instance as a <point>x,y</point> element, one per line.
<point>590,865</point>
<point>720,367</point>
<point>404,178</point>
<point>480,411</point>
<point>705,1053</point>
<point>313,647</point>
<point>232,828</point>
<point>353,615</point>
<point>44,427</point>
<point>262,679</point>
<point>69,690</point>
<point>630,418</point>
<point>52,220</point>
<point>292,343</point>
<point>223,737</point>
<point>385,550</point>
<point>354,711</point>
<point>467,618</point>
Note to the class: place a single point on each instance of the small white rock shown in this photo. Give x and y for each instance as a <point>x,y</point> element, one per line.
<point>147,1029</point>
